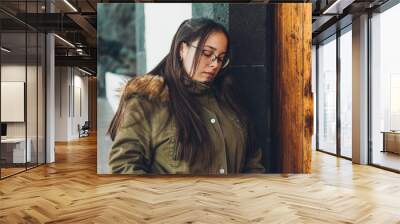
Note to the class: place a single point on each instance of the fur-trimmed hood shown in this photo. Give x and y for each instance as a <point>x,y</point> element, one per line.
<point>152,87</point>
<point>155,88</point>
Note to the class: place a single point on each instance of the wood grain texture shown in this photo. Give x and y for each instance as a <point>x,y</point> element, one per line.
<point>292,97</point>
<point>70,191</point>
<point>8,170</point>
<point>308,101</point>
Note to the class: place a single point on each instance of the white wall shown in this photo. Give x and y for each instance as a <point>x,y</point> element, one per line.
<point>160,27</point>
<point>71,94</point>
<point>80,110</point>
<point>12,73</point>
<point>61,103</point>
<point>82,82</point>
<point>33,126</point>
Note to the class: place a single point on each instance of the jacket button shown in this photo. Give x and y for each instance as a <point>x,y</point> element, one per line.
<point>212,120</point>
<point>221,171</point>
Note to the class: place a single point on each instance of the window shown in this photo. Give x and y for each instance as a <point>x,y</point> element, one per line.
<point>327,96</point>
<point>385,89</point>
<point>346,93</point>
<point>22,65</point>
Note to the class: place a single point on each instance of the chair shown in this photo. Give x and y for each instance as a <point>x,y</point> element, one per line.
<point>84,130</point>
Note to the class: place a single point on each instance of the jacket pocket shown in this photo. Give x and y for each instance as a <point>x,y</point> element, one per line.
<point>172,147</point>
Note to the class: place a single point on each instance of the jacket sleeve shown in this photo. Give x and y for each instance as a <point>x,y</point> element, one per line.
<point>130,152</point>
<point>254,162</point>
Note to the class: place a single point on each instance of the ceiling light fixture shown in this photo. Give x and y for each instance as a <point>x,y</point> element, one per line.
<point>70,5</point>
<point>64,40</point>
<point>337,7</point>
<point>5,50</point>
<point>84,71</point>
<point>79,51</point>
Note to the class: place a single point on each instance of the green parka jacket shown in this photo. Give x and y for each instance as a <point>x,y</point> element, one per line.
<point>145,141</point>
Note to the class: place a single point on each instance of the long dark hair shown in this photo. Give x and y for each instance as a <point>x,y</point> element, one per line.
<point>191,132</point>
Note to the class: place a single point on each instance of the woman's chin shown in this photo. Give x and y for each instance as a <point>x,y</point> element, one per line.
<point>206,77</point>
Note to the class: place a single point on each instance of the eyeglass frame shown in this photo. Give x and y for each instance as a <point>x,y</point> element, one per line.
<point>213,56</point>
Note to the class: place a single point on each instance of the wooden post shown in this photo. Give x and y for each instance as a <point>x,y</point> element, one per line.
<point>292,95</point>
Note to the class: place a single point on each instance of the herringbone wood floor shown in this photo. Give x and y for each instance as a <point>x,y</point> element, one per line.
<point>70,191</point>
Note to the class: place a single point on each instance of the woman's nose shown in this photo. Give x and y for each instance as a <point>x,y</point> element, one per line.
<point>214,61</point>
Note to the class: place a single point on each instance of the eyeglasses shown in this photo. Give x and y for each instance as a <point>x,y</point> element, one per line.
<point>223,60</point>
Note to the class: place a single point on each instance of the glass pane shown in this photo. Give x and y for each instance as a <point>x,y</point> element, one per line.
<point>41,98</point>
<point>31,97</point>
<point>31,86</point>
<point>23,88</point>
<point>385,89</point>
<point>327,97</point>
<point>346,94</point>
<point>13,86</point>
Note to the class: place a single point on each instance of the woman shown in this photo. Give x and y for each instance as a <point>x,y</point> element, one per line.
<point>182,118</point>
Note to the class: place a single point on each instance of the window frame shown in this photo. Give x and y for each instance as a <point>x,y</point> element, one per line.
<point>334,37</point>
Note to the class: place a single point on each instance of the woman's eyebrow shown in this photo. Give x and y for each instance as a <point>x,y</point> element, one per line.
<point>213,48</point>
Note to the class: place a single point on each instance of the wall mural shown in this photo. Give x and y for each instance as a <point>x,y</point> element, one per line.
<point>191,88</point>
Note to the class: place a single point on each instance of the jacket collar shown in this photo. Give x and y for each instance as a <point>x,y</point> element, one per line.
<point>196,87</point>
<point>153,87</point>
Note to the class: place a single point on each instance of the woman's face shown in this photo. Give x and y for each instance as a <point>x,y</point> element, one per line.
<point>210,60</point>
